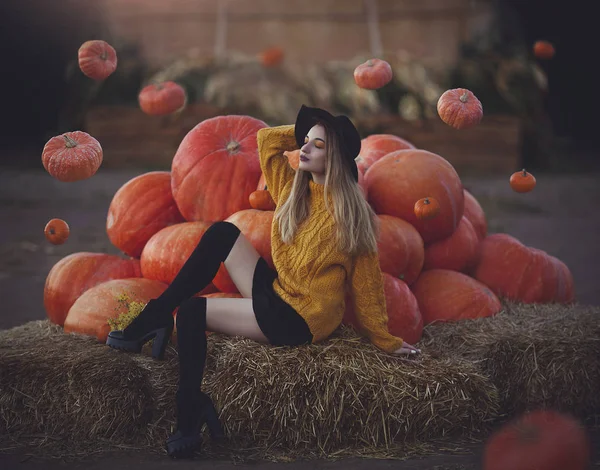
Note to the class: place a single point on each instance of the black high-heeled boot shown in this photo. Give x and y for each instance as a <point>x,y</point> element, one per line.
<point>155,321</point>
<point>194,408</point>
<point>193,411</point>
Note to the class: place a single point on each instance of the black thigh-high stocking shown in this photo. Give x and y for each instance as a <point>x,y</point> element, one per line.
<point>191,345</point>
<point>196,273</point>
<point>202,265</point>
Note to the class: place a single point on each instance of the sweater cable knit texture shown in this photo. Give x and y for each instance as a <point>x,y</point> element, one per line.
<point>313,274</point>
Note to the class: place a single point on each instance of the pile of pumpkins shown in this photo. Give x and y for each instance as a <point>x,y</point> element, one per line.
<point>444,268</point>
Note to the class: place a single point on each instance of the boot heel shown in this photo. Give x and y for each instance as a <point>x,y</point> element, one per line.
<point>160,342</point>
<point>212,419</point>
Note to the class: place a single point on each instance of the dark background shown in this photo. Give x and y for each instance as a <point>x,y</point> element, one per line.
<point>34,62</point>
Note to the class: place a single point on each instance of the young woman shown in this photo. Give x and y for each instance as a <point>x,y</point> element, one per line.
<point>324,241</point>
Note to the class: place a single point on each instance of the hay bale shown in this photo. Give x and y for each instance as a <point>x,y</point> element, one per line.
<point>341,397</point>
<point>537,355</point>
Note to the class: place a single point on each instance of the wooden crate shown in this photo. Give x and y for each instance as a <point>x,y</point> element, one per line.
<point>132,139</point>
<point>491,147</point>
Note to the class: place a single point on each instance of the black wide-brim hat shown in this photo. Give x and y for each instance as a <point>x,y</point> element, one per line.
<point>342,126</point>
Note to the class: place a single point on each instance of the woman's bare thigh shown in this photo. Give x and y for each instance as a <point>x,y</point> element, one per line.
<point>233,317</point>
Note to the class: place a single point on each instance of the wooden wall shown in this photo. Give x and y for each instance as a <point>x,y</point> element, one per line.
<point>308,30</point>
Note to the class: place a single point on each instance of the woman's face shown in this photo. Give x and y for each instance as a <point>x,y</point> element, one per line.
<point>313,156</point>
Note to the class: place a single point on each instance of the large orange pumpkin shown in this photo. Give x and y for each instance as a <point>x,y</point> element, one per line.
<point>540,279</point>
<point>256,226</point>
<point>541,440</point>
<point>97,59</point>
<point>216,167</point>
<point>74,274</point>
<point>90,313</point>
<point>458,252</point>
<point>474,212</point>
<point>376,146</point>
<point>140,208</point>
<point>401,249</point>
<point>502,263</point>
<point>399,179</point>
<point>168,250</point>
<point>565,287</point>
<point>72,156</point>
<point>404,316</point>
<point>445,295</point>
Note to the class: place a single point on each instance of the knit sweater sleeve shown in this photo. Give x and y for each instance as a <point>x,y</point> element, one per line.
<point>272,142</point>
<point>369,302</point>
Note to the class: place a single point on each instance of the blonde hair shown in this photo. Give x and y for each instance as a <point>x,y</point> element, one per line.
<point>357,226</point>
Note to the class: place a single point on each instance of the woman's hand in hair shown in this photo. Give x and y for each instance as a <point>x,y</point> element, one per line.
<point>407,349</point>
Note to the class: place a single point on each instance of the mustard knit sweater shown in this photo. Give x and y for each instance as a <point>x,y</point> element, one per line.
<point>313,273</point>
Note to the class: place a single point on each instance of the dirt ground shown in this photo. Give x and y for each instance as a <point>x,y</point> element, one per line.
<point>560,216</point>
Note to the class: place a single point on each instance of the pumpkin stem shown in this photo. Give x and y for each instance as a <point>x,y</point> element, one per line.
<point>426,201</point>
<point>464,97</point>
<point>370,63</point>
<point>104,55</point>
<point>233,146</point>
<point>70,143</point>
<point>524,172</point>
<point>52,232</point>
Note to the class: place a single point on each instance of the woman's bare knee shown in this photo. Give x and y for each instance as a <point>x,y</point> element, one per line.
<point>240,265</point>
<point>233,317</point>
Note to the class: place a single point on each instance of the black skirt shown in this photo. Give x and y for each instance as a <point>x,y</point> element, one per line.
<point>279,322</point>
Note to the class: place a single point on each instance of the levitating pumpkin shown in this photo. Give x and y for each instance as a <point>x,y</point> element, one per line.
<point>541,440</point>
<point>160,99</point>
<point>427,208</point>
<point>72,156</point>
<point>141,207</point>
<point>444,295</point>
<point>373,74</point>
<point>543,50</point>
<point>97,59</point>
<point>57,231</point>
<point>74,274</point>
<point>271,56</point>
<point>261,199</point>
<point>522,181</point>
<point>216,168</point>
<point>460,108</point>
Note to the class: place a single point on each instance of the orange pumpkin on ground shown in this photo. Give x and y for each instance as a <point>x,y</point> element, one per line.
<point>404,316</point>
<point>216,167</point>
<point>543,50</point>
<point>458,252</point>
<point>541,440</point>
<point>57,231</point>
<point>565,286</point>
<point>522,181</point>
<point>74,274</point>
<point>376,146</point>
<point>460,108</point>
<point>256,226</point>
<point>401,249</point>
<point>160,99</point>
<point>261,199</point>
<point>445,295</point>
<point>168,250</point>
<point>373,74</point>
<point>140,208</point>
<point>540,279</point>
<point>502,263</point>
<point>90,313</point>
<point>474,212</point>
<point>97,59</point>
<point>400,178</point>
<point>73,156</point>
